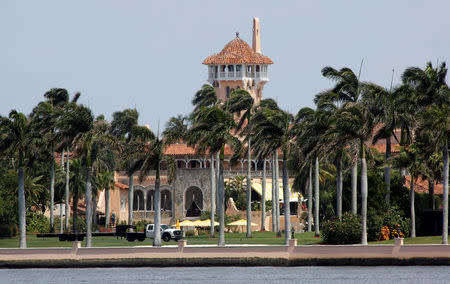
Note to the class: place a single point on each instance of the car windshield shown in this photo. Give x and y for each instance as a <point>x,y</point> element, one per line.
<point>164,227</point>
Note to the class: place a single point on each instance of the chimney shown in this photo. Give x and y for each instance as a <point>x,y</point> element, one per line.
<point>256,44</point>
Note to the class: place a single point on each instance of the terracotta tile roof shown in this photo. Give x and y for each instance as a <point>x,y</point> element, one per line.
<point>421,186</point>
<point>183,149</point>
<point>237,51</point>
<point>120,185</point>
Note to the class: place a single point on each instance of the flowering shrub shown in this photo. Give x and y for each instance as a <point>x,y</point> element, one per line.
<point>344,231</point>
<point>385,233</point>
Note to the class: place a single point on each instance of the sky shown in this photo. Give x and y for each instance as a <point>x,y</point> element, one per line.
<point>148,54</point>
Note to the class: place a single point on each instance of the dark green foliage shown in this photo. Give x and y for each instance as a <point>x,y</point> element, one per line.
<point>37,223</point>
<point>235,188</point>
<point>8,230</point>
<point>344,231</point>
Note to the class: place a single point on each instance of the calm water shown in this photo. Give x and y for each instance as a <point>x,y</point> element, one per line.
<point>387,274</point>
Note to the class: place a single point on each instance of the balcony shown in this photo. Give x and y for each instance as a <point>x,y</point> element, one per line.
<point>238,75</point>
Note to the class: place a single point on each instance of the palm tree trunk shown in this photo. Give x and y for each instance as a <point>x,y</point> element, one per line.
<point>75,215</point>
<point>221,205</point>
<point>217,178</point>
<point>94,209</point>
<point>21,199</point>
<point>412,208</point>
<point>67,192</point>
<point>310,199</point>
<point>274,208</point>
<point>130,202</point>
<point>157,206</point>
<point>432,202</point>
<point>213,196</point>
<point>277,194</point>
<point>52,191</point>
<point>355,188</point>
<point>363,196</point>
<point>249,191</point>
<point>387,171</point>
<point>445,201</point>
<point>263,198</point>
<point>88,198</point>
<point>106,207</point>
<point>339,187</point>
<point>316,199</point>
<point>286,200</point>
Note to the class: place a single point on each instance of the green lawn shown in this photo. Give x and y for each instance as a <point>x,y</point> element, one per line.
<point>263,238</point>
<point>267,238</point>
<point>413,241</point>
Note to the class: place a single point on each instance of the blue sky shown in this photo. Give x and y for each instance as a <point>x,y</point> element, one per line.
<point>148,54</point>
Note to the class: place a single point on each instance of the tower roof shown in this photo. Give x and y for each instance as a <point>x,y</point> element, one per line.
<point>237,51</point>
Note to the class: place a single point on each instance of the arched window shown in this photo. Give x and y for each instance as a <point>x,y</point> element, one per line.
<point>166,200</point>
<point>138,200</point>
<point>257,68</point>
<point>228,92</point>
<point>150,197</point>
<point>230,68</point>
<point>193,201</point>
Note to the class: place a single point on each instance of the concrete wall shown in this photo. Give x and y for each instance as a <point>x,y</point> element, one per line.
<point>242,255</point>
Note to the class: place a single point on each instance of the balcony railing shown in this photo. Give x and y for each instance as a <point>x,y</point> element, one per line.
<point>237,75</point>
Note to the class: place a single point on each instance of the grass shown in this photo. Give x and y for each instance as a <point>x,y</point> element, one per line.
<point>413,241</point>
<point>263,238</point>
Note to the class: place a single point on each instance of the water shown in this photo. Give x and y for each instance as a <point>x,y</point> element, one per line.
<point>264,275</point>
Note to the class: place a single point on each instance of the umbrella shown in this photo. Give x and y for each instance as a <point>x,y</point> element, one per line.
<point>187,223</point>
<point>241,222</point>
<point>178,224</point>
<point>207,223</point>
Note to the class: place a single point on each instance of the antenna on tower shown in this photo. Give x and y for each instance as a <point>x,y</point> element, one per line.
<point>237,34</point>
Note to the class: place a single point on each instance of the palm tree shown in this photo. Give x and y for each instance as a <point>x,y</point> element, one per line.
<point>211,129</point>
<point>242,104</point>
<point>433,95</point>
<point>206,97</point>
<point>46,115</point>
<point>78,183</point>
<point>147,154</point>
<point>410,158</point>
<point>123,126</point>
<point>17,139</point>
<point>272,132</point>
<point>88,145</point>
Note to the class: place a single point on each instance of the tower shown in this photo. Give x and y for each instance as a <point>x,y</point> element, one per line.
<point>238,66</point>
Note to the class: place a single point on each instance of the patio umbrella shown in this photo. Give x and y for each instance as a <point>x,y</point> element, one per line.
<point>187,223</point>
<point>241,222</point>
<point>178,224</point>
<point>206,223</point>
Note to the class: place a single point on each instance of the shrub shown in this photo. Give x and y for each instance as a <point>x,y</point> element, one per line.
<point>190,233</point>
<point>344,231</point>
<point>37,223</point>
<point>8,230</point>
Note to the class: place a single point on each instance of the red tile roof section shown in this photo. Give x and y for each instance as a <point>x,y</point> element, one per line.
<point>183,149</point>
<point>237,51</point>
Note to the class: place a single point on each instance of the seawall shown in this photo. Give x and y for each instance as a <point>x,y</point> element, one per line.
<point>182,255</point>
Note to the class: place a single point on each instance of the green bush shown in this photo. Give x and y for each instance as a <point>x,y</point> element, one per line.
<point>8,230</point>
<point>37,223</point>
<point>344,231</point>
<point>140,225</point>
<point>190,233</point>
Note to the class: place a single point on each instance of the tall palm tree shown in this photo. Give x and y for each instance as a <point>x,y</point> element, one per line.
<point>433,95</point>
<point>123,126</point>
<point>46,115</point>
<point>78,184</point>
<point>272,132</point>
<point>242,105</point>
<point>411,159</point>
<point>18,140</point>
<point>206,97</point>
<point>148,155</point>
<point>88,145</point>
<point>211,128</point>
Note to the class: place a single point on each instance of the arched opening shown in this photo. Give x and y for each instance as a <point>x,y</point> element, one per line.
<point>150,198</point>
<point>193,201</point>
<point>138,200</point>
<point>166,200</point>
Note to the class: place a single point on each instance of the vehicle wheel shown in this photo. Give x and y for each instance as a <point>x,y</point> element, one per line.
<point>166,237</point>
<point>176,240</point>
